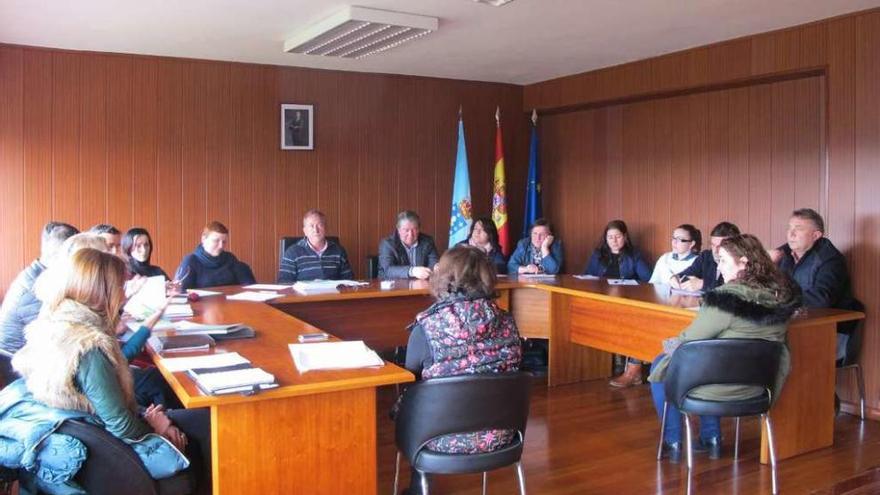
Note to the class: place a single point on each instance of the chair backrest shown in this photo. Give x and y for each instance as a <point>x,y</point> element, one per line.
<point>372,266</point>
<point>110,464</point>
<point>721,361</point>
<point>286,242</point>
<point>855,330</point>
<point>459,404</point>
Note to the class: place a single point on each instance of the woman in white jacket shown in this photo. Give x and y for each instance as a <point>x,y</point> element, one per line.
<point>686,244</point>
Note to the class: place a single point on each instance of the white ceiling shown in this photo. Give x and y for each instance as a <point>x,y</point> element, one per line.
<point>524,42</point>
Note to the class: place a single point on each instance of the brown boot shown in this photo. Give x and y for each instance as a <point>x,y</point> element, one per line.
<point>632,375</point>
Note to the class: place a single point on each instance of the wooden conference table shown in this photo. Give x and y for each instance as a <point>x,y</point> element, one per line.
<point>316,433</point>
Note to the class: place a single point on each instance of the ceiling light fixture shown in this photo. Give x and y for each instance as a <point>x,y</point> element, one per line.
<point>494,3</point>
<point>358,32</point>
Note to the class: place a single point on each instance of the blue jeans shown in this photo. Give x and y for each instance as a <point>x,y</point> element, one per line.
<point>710,426</point>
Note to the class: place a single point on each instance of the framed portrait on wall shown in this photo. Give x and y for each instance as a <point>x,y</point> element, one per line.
<point>297,127</point>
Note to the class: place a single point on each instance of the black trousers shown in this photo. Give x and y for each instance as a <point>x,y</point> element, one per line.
<point>196,425</point>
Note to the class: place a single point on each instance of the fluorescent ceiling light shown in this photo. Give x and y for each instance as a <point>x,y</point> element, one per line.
<point>494,3</point>
<point>358,32</point>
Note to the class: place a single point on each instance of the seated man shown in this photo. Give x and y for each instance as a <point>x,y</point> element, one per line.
<point>314,256</point>
<point>21,306</point>
<point>703,274</point>
<point>818,267</point>
<point>407,253</point>
<point>111,235</point>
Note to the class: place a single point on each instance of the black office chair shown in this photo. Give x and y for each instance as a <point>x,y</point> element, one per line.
<point>112,464</point>
<point>466,403</point>
<point>286,242</point>
<point>850,361</point>
<point>372,266</point>
<point>722,361</point>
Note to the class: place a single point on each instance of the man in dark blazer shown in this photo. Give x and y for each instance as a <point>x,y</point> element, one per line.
<point>407,253</point>
<point>703,274</point>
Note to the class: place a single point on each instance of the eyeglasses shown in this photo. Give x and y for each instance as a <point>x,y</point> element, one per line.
<point>679,239</point>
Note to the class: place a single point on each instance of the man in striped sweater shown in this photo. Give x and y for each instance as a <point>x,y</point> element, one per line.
<point>314,256</point>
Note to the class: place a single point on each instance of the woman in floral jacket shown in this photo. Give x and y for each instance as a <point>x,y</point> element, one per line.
<point>464,332</point>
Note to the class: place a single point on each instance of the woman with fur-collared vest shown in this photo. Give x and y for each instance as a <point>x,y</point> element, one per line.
<point>72,360</point>
<point>756,302</point>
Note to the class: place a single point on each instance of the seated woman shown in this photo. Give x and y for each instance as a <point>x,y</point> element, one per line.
<point>538,253</point>
<point>615,257</point>
<point>137,247</point>
<point>464,332</point>
<point>210,265</point>
<point>72,361</point>
<point>756,302</point>
<point>686,244</point>
<point>484,236</point>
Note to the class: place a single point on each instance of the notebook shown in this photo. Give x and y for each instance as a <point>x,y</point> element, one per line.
<point>180,343</point>
<point>243,377</point>
<point>333,356</point>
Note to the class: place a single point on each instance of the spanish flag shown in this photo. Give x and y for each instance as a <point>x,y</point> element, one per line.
<point>499,194</point>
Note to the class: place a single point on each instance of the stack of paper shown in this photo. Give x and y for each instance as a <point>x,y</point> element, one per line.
<point>536,276</point>
<point>233,379</point>
<point>324,286</point>
<point>333,356</point>
<point>622,281</point>
<point>210,361</point>
<point>253,296</point>
<point>193,328</point>
<point>272,287</point>
<point>178,311</point>
<point>203,292</point>
<point>685,292</point>
<point>586,277</point>
<point>149,298</point>
<point>180,343</point>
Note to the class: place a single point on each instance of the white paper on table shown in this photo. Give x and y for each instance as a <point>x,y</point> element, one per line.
<point>203,292</point>
<point>149,298</point>
<point>622,281</point>
<point>178,311</point>
<point>210,361</point>
<point>193,328</point>
<point>253,296</point>
<point>266,287</point>
<point>334,356</point>
<point>234,379</point>
<point>685,292</point>
<point>536,276</point>
<point>586,277</point>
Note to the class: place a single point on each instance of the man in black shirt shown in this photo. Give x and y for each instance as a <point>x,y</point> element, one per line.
<point>703,274</point>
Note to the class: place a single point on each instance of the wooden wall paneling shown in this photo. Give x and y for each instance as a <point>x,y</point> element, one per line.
<point>11,162</point>
<point>265,261</point>
<point>39,187</point>
<point>289,188</point>
<point>95,190</point>
<point>809,125</point>
<point>218,149</point>
<point>193,157</point>
<point>664,180</point>
<point>375,223</point>
<point>760,160</point>
<point>866,253</point>
<point>729,60</point>
<point>145,138</point>
<point>718,163</point>
<point>738,165</point>
<point>783,152</point>
<point>121,173</point>
<point>67,91</point>
<point>243,171</point>
<point>327,168</point>
<point>686,187</point>
<point>169,191</point>
<point>614,169</point>
<point>381,113</point>
<point>583,184</point>
<point>696,126</point>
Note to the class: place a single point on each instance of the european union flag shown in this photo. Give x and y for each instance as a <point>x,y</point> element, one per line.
<point>533,186</point>
<point>460,216</point>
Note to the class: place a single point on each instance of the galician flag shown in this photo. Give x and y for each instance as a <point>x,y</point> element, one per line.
<point>499,191</point>
<point>460,216</point>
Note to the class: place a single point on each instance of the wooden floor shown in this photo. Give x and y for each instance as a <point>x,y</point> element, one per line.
<point>590,439</point>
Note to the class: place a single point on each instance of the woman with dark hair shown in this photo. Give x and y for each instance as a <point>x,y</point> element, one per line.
<point>137,246</point>
<point>756,302</point>
<point>687,241</point>
<point>615,256</point>
<point>464,332</point>
<point>210,265</point>
<point>540,252</point>
<point>484,236</point>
